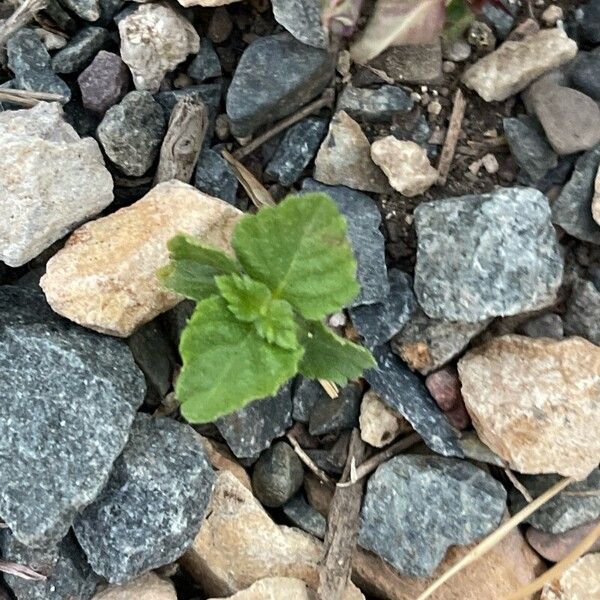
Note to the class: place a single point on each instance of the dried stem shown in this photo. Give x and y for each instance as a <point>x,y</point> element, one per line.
<point>27,98</point>
<point>518,485</point>
<point>22,571</point>
<point>24,13</point>
<point>454,127</point>
<point>321,475</point>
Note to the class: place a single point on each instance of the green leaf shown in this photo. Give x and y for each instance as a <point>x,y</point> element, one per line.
<point>193,267</point>
<point>226,364</point>
<point>328,356</point>
<point>300,251</point>
<point>459,15</point>
<point>278,326</point>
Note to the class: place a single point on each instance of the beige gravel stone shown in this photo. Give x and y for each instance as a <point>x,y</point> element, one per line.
<point>580,582</point>
<point>379,424</point>
<point>515,64</point>
<point>275,588</point>
<point>146,587</point>
<point>534,401</point>
<point>105,276</point>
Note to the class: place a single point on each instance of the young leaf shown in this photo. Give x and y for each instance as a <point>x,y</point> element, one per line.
<point>300,251</point>
<point>193,267</point>
<point>399,22</point>
<point>278,325</point>
<point>328,356</point>
<point>340,16</point>
<point>226,364</point>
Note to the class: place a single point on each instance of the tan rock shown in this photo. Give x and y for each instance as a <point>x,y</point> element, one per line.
<point>596,199</point>
<point>222,459</point>
<point>515,64</point>
<point>105,276</point>
<point>146,587</point>
<point>344,158</point>
<point>319,496</point>
<point>534,401</point>
<point>379,424</point>
<point>275,588</point>
<point>581,581</point>
<point>406,165</point>
<point>209,3</point>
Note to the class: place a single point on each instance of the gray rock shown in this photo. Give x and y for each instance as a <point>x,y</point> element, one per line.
<point>132,131</point>
<point>277,475</point>
<point>252,429</point>
<point>296,149</point>
<point>378,323</point>
<point>89,10</point>
<point>582,74</point>
<point>486,256</point>
<point>572,209</point>
<point>307,393</point>
<point>29,60</point>
<point>108,9</point>
<point>415,63</point>
<point>583,311</point>
<point>363,218</point>
<point>70,398</point>
<point>302,18</point>
<point>69,576</point>
<point>416,507</point>
<point>79,51</point>
<point>205,64</point>
<point>334,414</point>
<point>588,25</point>
<point>153,505</point>
<point>303,515</point>
<point>529,147</point>
<point>404,392</point>
<point>374,106</point>
<point>276,75</point>
<point>475,449</point>
<point>549,325</point>
<point>567,510</point>
<point>456,50</point>
<point>502,20</point>
<point>214,176</point>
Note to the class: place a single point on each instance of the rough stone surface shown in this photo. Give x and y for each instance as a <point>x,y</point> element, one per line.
<point>335,414</point>
<point>506,261</point>
<point>404,393</point>
<point>444,387</point>
<point>583,311</point>
<point>71,396</point>
<point>363,219</point>
<point>37,207</point>
<point>579,582</point>
<point>412,63</point>
<point>379,424</point>
<point>302,18</point>
<point>207,3</point>
<point>344,158</point>
<point>405,164</point>
<point>548,325</point>
<point>215,177</point>
<point>555,546</point>
<point>132,131</point>
<point>374,106</point>
<point>275,76</point>
<point>155,38</point>
<point>104,82</point>
<point>515,64</point>
<point>304,516</point>
<point>146,587</point>
<point>475,449</point>
<point>524,394</point>
<point>596,200</point>
<point>274,588</point>
<point>307,393</point>
<point>205,64</point>
<point>80,50</point>
<point>416,507</point>
<point>88,10</point>
<point>153,504</point>
<point>582,74</point>
<point>51,40</point>
<point>105,276</point>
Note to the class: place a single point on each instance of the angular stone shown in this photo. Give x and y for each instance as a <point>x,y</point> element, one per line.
<point>307,393</point>
<point>205,64</point>
<point>507,234</point>
<point>379,424</point>
<point>581,580</point>
<point>51,40</point>
<point>374,106</point>
<point>444,386</point>
<point>88,10</point>
<point>582,74</point>
<point>274,588</point>
<point>405,164</point>
<point>412,63</point>
<point>304,516</point>
<point>275,76</point>
<point>70,397</point>
<point>416,507</point>
<point>222,459</point>
<point>475,449</point>
<point>80,50</point>
<point>215,177</point>
<point>153,504</point>
<point>155,38</point>
<point>583,311</point>
<point>501,15</point>
<point>404,393</point>
<point>548,325</point>
<point>302,18</point>
<point>518,391</point>
<point>147,587</point>
<point>335,414</point>
<point>344,158</point>
<point>363,219</point>
<point>555,546</point>
<point>42,164</point>
<point>515,64</point>
<point>105,276</point>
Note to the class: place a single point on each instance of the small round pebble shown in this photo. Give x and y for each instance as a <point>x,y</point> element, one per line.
<point>552,15</point>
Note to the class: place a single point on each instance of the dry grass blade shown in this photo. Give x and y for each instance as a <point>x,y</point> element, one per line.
<point>321,475</point>
<point>489,542</point>
<point>26,98</point>
<point>454,127</point>
<point>254,188</point>
<point>24,13</point>
<point>330,388</point>
<point>11,568</point>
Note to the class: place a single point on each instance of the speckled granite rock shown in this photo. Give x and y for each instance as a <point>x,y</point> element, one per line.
<point>306,393</point>
<point>80,50</point>
<point>88,10</point>
<point>374,106</point>
<point>146,587</point>
<point>215,177</point>
<point>583,311</point>
<point>302,18</point>
<point>153,505</point>
<point>579,582</point>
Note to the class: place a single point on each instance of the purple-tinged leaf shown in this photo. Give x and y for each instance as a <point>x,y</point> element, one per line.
<point>339,17</point>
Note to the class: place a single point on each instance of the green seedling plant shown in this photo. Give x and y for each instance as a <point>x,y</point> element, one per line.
<point>259,315</point>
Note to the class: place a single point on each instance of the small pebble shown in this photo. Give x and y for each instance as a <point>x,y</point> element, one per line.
<point>434,108</point>
<point>220,26</point>
<point>490,163</point>
<point>448,66</point>
<point>552,15</point>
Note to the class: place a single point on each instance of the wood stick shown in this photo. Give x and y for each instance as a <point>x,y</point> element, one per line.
<point>307,460</point>
<point>22,571</point>
<point>518,485</point>
<point>27,98</point>
<point>24,13</point>
<point>454,127</point>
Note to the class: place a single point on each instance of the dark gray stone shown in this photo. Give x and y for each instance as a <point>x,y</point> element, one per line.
<point>302,18</point>
<point>416,507</point>
<point>475,449</point>
<point>529,146</point>
<point>583,311</point>
<point>108,9</point>
<point>83,121</point>
<point>214,176</point>
<point>583,74</point>
<point>89,10</point>
<point>132,131</point>
<point>80,50</point>
<point>413,128</point>
<point>567,509</point>
<point>70,396</point>
<point>484,256</point>
<point>374,106</point>
<point>252,429</point>
<point>205,64</point>
<point>413,63</point>
<point>334,414</point>
<point>549,325</point>
<point>404,392</point>
<point>572,210</point>
<point>307,393</point>
<point>297,148</point>
<point>501,20</point>
<point>588,26</point>
<point>29,60</point>
<point>278,474</point>
<point>275,76</point>
<point>378,323</point>
<point>303,515</point>
<point>363,218</point>
<point>62,18</point>
<point>69,576</point>
<point>554,177</point>
<point>153,505</point>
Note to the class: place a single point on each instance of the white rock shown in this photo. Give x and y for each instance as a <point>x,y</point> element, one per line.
<point>145,587</point>
<point>155,38</point>
<point>552,15</point>
<point>51,181</point>
<point>379,424</point>
<point>581,581</point>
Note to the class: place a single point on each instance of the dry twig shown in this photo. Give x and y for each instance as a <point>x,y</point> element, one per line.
<point>24,13</point>
<point>22,571</point>
<point>454,126</point>
<point>27,98</point>
<point>254,188</point>
<point>307,460</point>
<point>518,485</point>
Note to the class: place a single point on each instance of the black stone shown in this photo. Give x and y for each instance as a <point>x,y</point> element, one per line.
<point>303,515</point>
<point>583,73</point>
<point>214,176</point>
<point>80,50</point>
<point>206,64</point>
<point>335,414</point>
<point>374,106</point>
<point>583,311</point>
<point>500,17</point>
<point>588,27</point>
<point>307,393</point>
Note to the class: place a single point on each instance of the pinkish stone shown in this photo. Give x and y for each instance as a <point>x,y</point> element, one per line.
<point>554,547</point>
<point>444,386</point>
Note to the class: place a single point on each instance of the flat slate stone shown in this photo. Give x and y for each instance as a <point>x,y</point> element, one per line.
<point>302,18</point>
<point>416,507</point>
<point>485,256</point>
<point>303,515</point>
<point>80,50</point>
<point>401,390</point>
<point>153,505</point>
<point>412,63</point>
<point>69,397</point>
<point>307,393</point>
<point>206,64</point>
<point>214,176</point>
<point>335,414</point>
<point>363,218</point>
<point>374,106</point>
